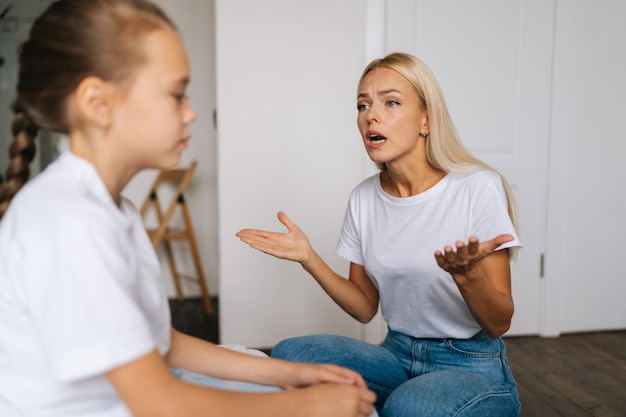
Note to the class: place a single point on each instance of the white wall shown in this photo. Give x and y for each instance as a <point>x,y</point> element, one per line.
<point>288,141</point>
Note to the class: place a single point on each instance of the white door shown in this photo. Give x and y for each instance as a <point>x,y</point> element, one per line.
<point>587,199</point>
<point>493,61</point>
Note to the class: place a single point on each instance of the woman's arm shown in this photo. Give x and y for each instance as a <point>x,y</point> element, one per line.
<point>149,389</point>
<point>357,295</point>
<point>484,279</point>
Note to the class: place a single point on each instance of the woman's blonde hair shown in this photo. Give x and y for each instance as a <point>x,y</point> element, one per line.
<point>444,149</point>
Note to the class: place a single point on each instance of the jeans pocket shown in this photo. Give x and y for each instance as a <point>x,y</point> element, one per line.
<point>484,356</point>
<point>476,347</point>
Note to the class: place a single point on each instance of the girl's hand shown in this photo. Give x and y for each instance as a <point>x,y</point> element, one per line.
<point>467,257</point>
<point>292,245</point>
<point>304,374</point>
<point>329,390</point>
<point>326,400</point>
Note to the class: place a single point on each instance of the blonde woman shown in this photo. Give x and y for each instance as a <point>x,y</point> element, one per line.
<point>429,238</point>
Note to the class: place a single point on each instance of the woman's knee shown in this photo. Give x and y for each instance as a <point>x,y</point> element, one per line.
<point>312,349</point>
<point>452,394</point>
<point>380,369</point>
<point>339,350</point>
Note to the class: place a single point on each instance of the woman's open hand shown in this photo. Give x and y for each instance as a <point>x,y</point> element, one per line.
<point>466,258</point>
<point>292,245</point>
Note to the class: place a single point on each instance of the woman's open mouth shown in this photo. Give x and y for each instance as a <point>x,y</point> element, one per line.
<point>375,139</point>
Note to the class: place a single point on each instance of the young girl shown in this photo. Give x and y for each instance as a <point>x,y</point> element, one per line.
<point>84,321</point>
<point>446,308</point>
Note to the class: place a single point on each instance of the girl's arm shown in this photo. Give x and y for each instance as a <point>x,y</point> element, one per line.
<point>149,389</point>
<point>484,279</point>
<point>199,356</point>
<point>357,295</point>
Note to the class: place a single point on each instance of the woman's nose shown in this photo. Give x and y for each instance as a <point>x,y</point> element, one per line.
<point>372,115</point>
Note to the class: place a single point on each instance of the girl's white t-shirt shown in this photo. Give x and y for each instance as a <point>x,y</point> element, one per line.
<point>395,240</point>
<point>80,295</point>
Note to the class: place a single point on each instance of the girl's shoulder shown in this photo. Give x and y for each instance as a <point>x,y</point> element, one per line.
<point>67,195</point>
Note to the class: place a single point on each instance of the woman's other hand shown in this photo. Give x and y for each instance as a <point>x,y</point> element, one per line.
<point>483,276</point>
<point>468,256</point>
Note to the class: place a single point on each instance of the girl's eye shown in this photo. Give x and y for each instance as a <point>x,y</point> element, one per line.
<point>180,97</point>
<point>392,103</point>
<point>362,107</point>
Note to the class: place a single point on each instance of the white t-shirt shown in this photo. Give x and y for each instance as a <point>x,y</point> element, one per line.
<point>80,294</point>
<point>395,240</point>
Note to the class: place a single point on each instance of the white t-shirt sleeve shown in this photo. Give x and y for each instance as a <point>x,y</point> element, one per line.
<point>489,215</point>
<point>349,244</point>
<point>85,304</point>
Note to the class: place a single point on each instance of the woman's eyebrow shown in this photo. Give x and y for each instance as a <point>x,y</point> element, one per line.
<point>380,93</point>
<point>389,91</point>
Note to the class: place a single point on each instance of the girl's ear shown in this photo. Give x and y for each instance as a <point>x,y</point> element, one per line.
<point>94,102</point>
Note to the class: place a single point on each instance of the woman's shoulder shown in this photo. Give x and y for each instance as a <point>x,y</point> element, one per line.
<point>476,178</point>
<point>366,188</point>
<point>475,174</point>
<point>368,184</point>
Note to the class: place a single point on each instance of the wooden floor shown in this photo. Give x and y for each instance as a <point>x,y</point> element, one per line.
<point>574,375</point>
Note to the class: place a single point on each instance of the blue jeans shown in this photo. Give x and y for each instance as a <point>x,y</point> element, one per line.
<point>420,377</point>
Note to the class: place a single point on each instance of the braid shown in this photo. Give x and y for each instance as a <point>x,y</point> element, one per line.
<point>21,152</point>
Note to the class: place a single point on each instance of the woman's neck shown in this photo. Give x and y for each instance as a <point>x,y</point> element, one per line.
<point>410,180</point>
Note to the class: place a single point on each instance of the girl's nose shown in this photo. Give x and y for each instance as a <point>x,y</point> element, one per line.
<point>190,114</point>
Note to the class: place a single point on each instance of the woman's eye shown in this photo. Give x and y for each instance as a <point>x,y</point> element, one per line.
<point>392,103</point>
<point>361,107</point>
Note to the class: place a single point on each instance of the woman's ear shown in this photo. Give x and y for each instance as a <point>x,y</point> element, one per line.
<point>94,102</point>
<point>424,125</point>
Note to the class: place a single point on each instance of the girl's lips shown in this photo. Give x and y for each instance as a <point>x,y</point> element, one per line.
<point>183,142</point>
